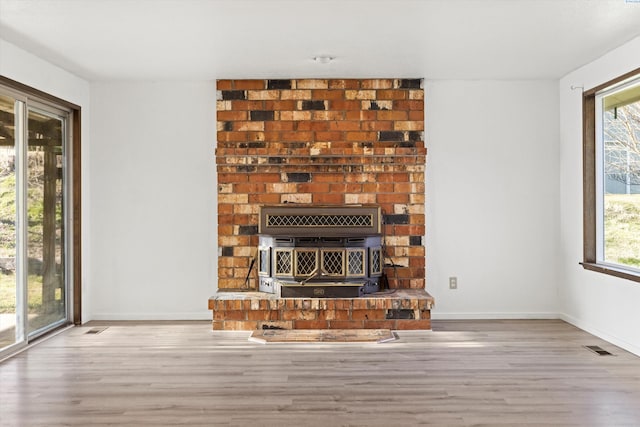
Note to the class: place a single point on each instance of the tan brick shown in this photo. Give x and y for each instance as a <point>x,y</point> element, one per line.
<point>295,94</point>
<point>312,84</point>
<point>217,325</point>
<point>240,325</point>
<point>326,315</point>
<point>368,115</point>
<point>367,198</point>
<point>408,125</point>
<point>223,106</point>
<point>246,126</point>
<point>327,115</point>
<point>360,94</point>
<point>281,187</point>
<point>416,94</point>
<point>344,84</point>
<point>301,198</point>
<point>233,198</point>
<point>376,84</point>
<point>262,94</point>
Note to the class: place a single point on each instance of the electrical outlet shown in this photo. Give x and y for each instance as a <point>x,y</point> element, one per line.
<point>453,283</point>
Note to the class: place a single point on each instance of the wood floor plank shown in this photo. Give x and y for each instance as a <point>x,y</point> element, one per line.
<point>462,373</point>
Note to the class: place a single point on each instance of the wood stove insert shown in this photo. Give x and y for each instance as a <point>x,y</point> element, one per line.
<point>320,251</point>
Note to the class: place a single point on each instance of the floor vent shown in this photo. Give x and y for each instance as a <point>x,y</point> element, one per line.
<point>94,331</point>
<point>598,350</point>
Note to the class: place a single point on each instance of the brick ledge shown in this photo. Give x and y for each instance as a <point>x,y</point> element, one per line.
<point>256,310</point>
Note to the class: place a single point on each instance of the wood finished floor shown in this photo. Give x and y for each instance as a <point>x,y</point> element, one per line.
<point>463,373</point>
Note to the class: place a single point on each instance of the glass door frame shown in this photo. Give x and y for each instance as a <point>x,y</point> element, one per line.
<point>64,115</point>
<point>30,99</point>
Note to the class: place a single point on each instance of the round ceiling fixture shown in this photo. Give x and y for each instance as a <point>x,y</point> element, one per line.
<point>323,59</point>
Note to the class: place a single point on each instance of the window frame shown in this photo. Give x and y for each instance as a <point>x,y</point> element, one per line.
<point>590,185</point>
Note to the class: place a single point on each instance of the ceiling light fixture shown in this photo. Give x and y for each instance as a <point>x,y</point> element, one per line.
<point>323,59</point>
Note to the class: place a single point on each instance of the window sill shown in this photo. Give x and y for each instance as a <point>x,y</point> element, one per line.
<point>612,271</point>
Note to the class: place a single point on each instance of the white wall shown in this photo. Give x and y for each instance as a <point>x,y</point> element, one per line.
<point>492,198</point>
<point>30,70</point>
<point>603,305</point>
<point>153,200</point>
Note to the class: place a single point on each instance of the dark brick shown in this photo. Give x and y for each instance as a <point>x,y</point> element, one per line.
<point>410,83</point>
<point>248,230</point>
<point>278,84</point>
<point>407,144</point>
<point>228,126</point>
<point>400,314</point>
<point>415,240</point>
<point>276,160</point>
<point>390,135</point>
<point>295,145</point>
<point>396,219</point>
<point>243,168</point>
<point>299,177</point>
<point>229,95</point>
<point>258,115</point>
<point>227,251</point>
<point>257,145</point>
<point>415,135</point>
<point>375,106</point>
<point>313,105</point>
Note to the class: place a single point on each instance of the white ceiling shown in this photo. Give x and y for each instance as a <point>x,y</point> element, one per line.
<point>207,39</point>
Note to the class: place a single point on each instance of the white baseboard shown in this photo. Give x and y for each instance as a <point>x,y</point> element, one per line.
<point>585,326</point>
<point>491,316</point>
<point>204,315</point>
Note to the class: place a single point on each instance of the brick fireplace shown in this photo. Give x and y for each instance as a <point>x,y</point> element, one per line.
<point>330,142</point>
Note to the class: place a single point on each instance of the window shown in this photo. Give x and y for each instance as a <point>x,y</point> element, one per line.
<point>611,156</point>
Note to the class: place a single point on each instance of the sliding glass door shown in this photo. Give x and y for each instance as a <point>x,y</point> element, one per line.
<point>34,285</point>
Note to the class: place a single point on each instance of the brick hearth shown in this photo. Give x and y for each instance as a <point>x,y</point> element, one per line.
<point>403,309</point>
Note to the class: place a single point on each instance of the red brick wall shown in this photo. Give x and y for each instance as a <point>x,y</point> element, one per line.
<point>330,142</point>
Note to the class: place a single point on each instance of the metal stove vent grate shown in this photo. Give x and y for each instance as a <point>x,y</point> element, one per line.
<point>306,262</point>
<point>356,263</point>
<point>320,220</point>
<point>332,262</point>
<point>283,262</point>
